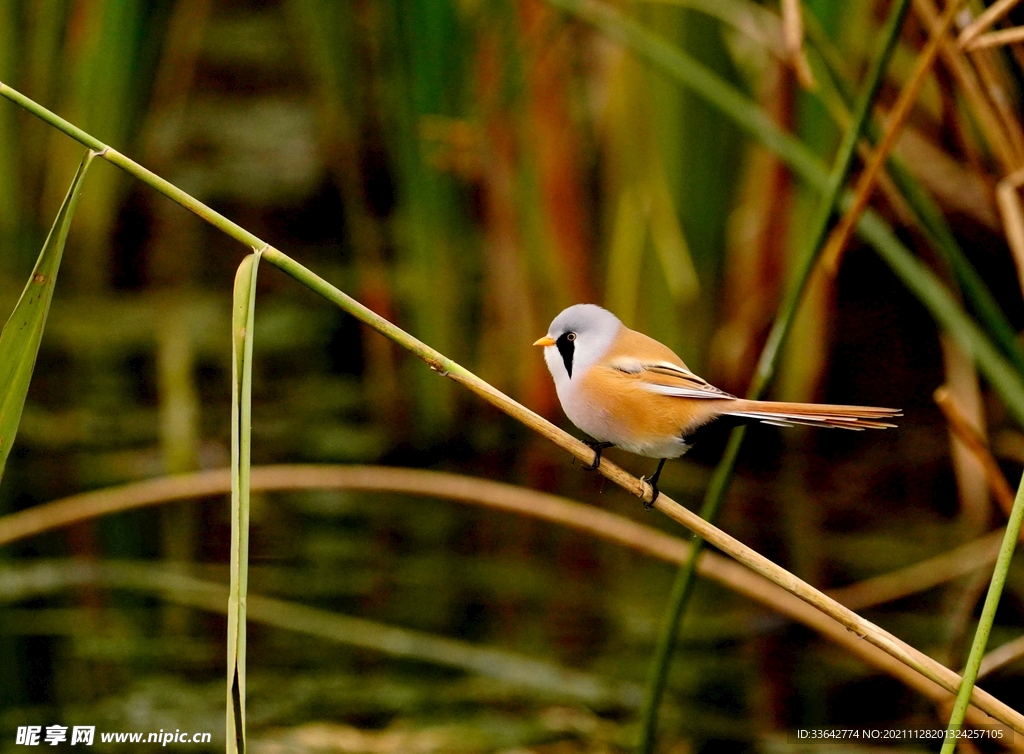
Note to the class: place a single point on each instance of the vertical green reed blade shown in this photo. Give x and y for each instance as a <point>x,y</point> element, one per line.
<point>988,616</point>
<point>20,338</point>
<point>242,316</point>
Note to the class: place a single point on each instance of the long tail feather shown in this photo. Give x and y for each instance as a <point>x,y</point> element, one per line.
<point>815,414</point>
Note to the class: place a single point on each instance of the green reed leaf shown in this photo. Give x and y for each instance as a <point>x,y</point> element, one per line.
<point>20,338</point>
<point>988,616</point>
<point>242,318</point>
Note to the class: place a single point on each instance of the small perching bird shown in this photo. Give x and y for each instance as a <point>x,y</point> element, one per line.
<point>627,390</point>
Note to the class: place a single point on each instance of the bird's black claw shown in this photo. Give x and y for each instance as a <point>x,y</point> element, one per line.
<point>597,447</point>
<point>654,492</point>
<point>653,481</point>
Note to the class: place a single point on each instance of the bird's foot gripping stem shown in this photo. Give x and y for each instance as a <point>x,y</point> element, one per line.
<point>653,481</point>
<point>597,447</point>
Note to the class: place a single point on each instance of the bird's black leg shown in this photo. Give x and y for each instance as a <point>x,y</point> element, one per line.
<point>653,481</point>
<point>597,447</point>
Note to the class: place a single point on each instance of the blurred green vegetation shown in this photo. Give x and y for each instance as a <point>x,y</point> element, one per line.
<point>467,168</point>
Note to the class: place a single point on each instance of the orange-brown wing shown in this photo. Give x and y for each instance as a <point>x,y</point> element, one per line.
<point>665,378</point>
<point>656,368</point>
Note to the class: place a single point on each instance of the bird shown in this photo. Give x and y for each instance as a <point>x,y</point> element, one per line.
<point>630,391</point>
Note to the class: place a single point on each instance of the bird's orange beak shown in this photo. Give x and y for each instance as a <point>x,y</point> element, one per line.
<point>545,341</point>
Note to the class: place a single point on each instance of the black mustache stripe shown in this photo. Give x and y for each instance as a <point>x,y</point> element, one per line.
<point>567,348</point>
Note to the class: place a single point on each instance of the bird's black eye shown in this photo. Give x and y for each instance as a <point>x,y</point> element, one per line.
<point>570,336</point>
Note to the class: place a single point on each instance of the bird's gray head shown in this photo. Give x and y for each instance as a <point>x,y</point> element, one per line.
<point>577,339</point>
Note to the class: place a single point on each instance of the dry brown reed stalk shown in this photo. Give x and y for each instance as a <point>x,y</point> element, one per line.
<point>958,183</point>
<point>963,390</point>
<point>1002,656</point>
<point>1012,214</point>
<point>841,234</point>
<point>993,75</point>
<point>988,119</point>
<point>495,495</point>
<point>996,39</point>
<point>987,19</point>
<point>88,505</point>
<point>978,446</point>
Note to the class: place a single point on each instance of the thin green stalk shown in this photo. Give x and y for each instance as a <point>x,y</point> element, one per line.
<point>988,615</point>
<point>685,579</point>
<point>242,319</point>
<point>679,597</point>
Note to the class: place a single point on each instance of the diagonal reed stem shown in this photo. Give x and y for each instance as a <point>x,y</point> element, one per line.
<point>682,589</point>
